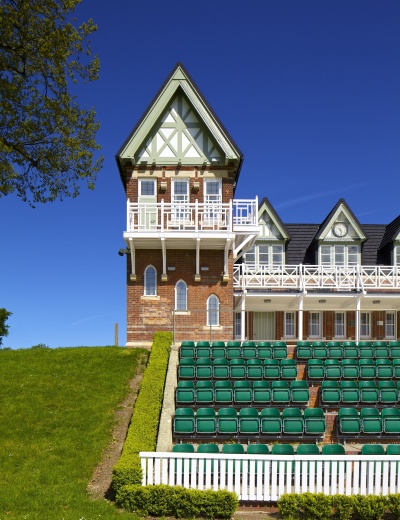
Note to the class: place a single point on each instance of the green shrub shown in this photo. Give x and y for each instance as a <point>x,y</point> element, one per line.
<point>288,506</point>
<point>369,507</point>
<point>393,502</point>
<point>142,433</point>
<point>161,500</point>
<point>343,506</point>
<point>315,506</point>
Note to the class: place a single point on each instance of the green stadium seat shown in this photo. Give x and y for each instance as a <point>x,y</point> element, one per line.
<point>187,343</point>
<point>255,369</point>
<point>315,369</point>
<point>279,350</point>
<point>307,449</point>
<point>330,393</point>
<point>350,350</point>
<point>264,350</point>
<point>272,369</point>
<point>333,369</point>
<point>288,369</point>
<point>204,393</point>
<point>366,368</point>
<point>384,369</point>
<point>349,421</point>
<point>333,449</point>
<point>185,394</point>
<point>303,350</point>
<point>299,392</point>
<point>227,422</point>
<point>203,368</point>
<point>283,449</point>
<point>257,449</point>
<point>319,350</point>
<point>393,449</point>
<point>232,449</point>
<point>350,369</point>
<point>280,392</point>
<point>292,422</point>
<point>314,422</point>
<point>249,421</point>
<point>365,349</point>
<point>237,369</point>
<point>218,350</point>
<point>187,349</point>
<point>382,350</point>
<point>206,422</point>
<point>349,392</point>
<point>394,349</point>
<point>372,449</point>
<point>261,393</point>
<point>242,393</point>
<point>183,448</point>
<point>396,368</point>
<point>223,392</point>
<point>186,368</point>
<point>233,350</point>
<point>388,393</point>
<point>335,350</point>
<point>270,422</point>
<point>249,350</point>
<point>371,421</point>
<point>208,449</point>
<point>220,368</point>
<point>203,349</point>
<point>391,421</point>
<point>368,392</point>
<point>184,422</point>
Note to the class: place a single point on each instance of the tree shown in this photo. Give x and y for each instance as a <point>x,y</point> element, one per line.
<point>47,141</point>
<point>4,315</point>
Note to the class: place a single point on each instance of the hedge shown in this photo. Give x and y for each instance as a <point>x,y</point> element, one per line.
<point>167,501</point>
<point>142,433</point>
<point>317,506</point>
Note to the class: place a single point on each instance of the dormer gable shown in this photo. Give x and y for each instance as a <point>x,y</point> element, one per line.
<point>179,128</point>
<point>341,225</point>
<point>270,224</point>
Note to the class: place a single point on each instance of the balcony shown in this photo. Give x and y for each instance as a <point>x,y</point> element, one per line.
<point>317,277</point>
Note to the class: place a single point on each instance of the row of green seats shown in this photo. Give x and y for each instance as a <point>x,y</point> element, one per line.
<point>233,349</point>
<point>368,421</point>
<point>263,449</point>
<point>317,369</point>
<point>222,368</point>
<point>243,392</point>
<point>306,350</point>
<point>381,393</point>
<point>228,423</point>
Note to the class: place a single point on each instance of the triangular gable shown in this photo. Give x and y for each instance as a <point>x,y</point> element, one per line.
<point>271,227</point>
<point>341,224</point>
<point>179,127</point>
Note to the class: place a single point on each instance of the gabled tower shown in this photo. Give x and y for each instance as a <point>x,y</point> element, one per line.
<point>179,167</point>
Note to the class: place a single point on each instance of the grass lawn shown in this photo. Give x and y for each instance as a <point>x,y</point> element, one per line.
<point>56,415</point>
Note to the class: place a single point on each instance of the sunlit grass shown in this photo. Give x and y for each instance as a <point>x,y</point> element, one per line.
<point>56,415</point>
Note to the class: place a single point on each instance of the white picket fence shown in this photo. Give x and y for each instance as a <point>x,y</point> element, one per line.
<point>268,477</point>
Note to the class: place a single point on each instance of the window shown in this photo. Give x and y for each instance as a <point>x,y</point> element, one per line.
<point>314,325</point>
<point>342,255</point>
<point>290,328</point>
<point>212,192</point>
<point>390,325</point>
<point>340,325</point>
<point>365,328</point>
<point>150,281</point>
<point>238,325</point>
<point>396,256</point>
<point>147,188</point>
<point>213,311</point>
<point>265,254</point>
<point>181,296</point>
<point>180,200</point>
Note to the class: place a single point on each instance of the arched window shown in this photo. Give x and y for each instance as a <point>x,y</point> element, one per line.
<point>213,310</point>
<point>150,281</point>
<point>181,296</point>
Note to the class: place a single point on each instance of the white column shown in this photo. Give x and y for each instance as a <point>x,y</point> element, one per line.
<point>300,318</point>
<point>133,266</point>
<point>197,277</point>
<point>243,318</point>
<point>358,307</point>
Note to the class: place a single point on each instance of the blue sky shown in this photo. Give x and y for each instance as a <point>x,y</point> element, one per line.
<point>308,89</point>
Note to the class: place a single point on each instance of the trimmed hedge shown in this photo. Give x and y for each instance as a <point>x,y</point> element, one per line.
<point>317,506</point>
<point>142,433</point>
<point>162,500</point>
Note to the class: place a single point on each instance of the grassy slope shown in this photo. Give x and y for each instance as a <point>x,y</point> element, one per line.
<point>56,414</point>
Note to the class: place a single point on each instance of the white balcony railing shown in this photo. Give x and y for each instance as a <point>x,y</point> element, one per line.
<point>162,216</point>
<point>268,477</point>
<point>309,277</point>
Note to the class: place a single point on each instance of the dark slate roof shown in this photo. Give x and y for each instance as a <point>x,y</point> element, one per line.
<point>299,250</point>
<point>370,248</point>
<point>392,230</point>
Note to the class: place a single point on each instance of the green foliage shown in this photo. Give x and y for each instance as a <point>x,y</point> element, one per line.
<point>369,507</point>
<point>39,345</point>
<point>288,506</point>
<point>177,501</point>
<point>47,141</point>
<point>56,418</point>
<point>394,506</point>
<point>315,506</point>
<point>4,315</point>
<point>142,434</point>
<point>343,506</point>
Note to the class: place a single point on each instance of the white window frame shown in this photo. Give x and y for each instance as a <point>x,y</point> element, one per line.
<point>339,325</point>
<point>290,325</point>
<point>213,312</point>
<point>365,325</point>
<point>333,251</point>
<point>180,201</point>
<point>314,324</point>
<point>396,255</point>
<point>181,299</point>
<point>147,182</point>
<point>390,325</point>
<point>270,253</point>
<point>238,325</point>
<point>148,291</point>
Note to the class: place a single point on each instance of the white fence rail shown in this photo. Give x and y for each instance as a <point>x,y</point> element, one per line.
<point>163,216</point>
<point>267,478</point>
<point>310,277</point>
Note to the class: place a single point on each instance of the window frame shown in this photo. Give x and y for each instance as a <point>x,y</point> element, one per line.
<point>311,324</point>
<point>270,254</point>
<point>177,296</point>
<point>291,323</point>
<point>337,324</point>
<point>210,311</point>
<point>146,281</point>
<point>366,325</point>
<point>334,254</point>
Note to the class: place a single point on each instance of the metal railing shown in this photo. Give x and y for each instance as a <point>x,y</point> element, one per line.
<point>308,277</point>
<point>163,216</point>
<point>268,477</point>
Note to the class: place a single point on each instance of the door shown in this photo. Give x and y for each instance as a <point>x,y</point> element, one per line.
<point>148,203</point>
<point>263,326</point>
<point>180,202</point>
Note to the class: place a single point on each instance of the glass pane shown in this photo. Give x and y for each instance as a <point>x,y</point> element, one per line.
<point>352,258</point>
<point>339,325</point>
<point>365,325</point>
<point>212,187</point>
<point>325,255</point>
<point>389,325</point>
<point>277,255</point>
<point>147,188</point>
<point>339,255</point>
<point>250,256</point>
<point>150,281</point>
<point>289,325</point>
<point>263,254</point>
<point>181,299</point>
<point>213,310</point>
<point>314,325</point>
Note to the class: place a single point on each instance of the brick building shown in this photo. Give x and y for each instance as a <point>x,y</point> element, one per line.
<point>207,265</point>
